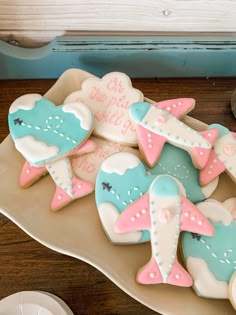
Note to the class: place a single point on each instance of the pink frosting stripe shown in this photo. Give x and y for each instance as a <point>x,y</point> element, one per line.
<point>150,144</point>
<point>212,169</point>
<point>135,217</point>
<point>177,107</point>
<point>192,220</point>
<point>81,188</point>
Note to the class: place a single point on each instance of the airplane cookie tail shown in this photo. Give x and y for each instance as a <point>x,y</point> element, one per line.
<point>30,174</point>
<point>179,276</point>
<point>150,144</point>
<point>201,155</point>
<point>212,169</point>
<point>81,188</point>
<point>151,274</point>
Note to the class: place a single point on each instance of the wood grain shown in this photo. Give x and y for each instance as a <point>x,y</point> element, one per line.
<point>49,18</point>
<point>27,265</point>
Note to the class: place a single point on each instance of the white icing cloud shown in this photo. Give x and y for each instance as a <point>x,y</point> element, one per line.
<point>120,162</point>
<point>25,102</point>
<point>34,150</point>
<point>215,211</point>
<point>109,215</point>
<point>230,204</point>
<point>208,189</point>
<point>82,112</point>
<point>205,284</point>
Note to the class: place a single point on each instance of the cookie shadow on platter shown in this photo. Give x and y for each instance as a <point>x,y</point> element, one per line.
<point>77,231</point>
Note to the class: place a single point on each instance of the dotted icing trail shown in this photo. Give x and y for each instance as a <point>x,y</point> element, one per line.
<point>226,258</point>
<point>50,128</point>
<point>126,203</point>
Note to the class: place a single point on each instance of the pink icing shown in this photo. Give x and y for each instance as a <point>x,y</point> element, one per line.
<point>212,169</point>
<point>210,135</point>
<point>129,220</point>
<point>151,144</point>
<point>179,276</point>
<point>192,220</point>
<point>150,273</point>
<point>165,216</point>
<point>81,188</point>
<point>229,149</point>
<point>31,174</point>
<point>200,156</point>
<point>177,107</point>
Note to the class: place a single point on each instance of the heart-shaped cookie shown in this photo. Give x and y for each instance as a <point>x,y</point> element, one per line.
<point>109,99</point>
<point>177,163</point>
<point>211,261</point>
<point>121,179</point>
<point>43,132</point>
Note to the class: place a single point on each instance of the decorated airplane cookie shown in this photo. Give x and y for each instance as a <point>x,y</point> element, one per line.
<point>177,163</point>
<point>222,157</point>
<point>159,123</point>
<point>122,178</point>
<point>211,261</point>
<point>165,212</point>
<point>31,174</point>
<point>46,135</point>
<point>109,99</point>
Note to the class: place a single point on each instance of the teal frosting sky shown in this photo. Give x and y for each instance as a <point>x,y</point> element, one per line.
<point>222,244</point>
<point>134,179</point>
<point>38,116</point>
<point>177,163</point>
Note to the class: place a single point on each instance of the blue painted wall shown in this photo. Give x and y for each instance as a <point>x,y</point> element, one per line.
<point>138,56</point>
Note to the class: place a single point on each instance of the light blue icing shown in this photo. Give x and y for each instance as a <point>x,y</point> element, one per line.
<point>123,189</point>
<point>218,251</point>
<point>164,186</point>
<point>138,111</point>
<point>223,131</point>
<point>177,163</point>
<point>35,123</point>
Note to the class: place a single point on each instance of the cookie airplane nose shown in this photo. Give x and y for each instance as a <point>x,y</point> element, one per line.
<point>138,111</point>
<point>164,186</point>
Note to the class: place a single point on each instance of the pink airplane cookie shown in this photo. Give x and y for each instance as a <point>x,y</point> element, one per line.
<point>46,135</point>
<point>165,212</point>
<point>159,123</point>
<point>31,174</point>
<point>222,157</point>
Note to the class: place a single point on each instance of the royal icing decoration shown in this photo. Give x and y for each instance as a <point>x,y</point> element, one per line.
<point>177,163</point>
<point>222,157</point>
<point>30,174</point>
<point>211,261</point>
<point>46,135</point>
<point>42,132</point>
<point>159,123</point>
<point>109,99</point>
<point>165,212</point>
<point>68,186</point>
<point>121,180</point>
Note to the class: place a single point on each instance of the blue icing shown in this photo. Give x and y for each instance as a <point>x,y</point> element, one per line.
<point>177,163</point>
<point>222,244</point>
<point>138,110</point>
<point>116,189</point>
<point>223,131</point>
<point>165,186</point>
<point>66,137</point>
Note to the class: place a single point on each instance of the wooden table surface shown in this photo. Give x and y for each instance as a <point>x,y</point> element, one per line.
<point>27,265</point>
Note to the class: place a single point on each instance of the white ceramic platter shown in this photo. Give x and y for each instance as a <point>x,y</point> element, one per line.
<point>33,303</point>
<point>76,230</point>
